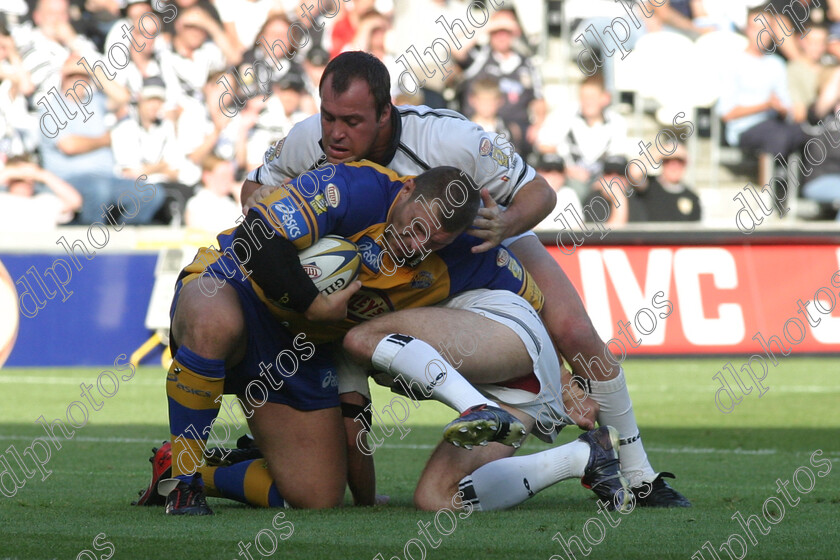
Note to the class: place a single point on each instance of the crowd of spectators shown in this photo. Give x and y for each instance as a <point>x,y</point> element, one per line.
<point>189,94</point>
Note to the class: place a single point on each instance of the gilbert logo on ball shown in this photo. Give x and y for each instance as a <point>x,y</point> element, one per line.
<point>9,315</point>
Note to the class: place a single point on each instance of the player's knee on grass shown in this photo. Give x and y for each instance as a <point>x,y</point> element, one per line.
<point>212,327</point>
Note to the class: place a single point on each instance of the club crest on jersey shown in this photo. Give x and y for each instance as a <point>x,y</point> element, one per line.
<point>422,279</point>
<point>274,151</point>
<point>318,204</point>
<point>485,147</point>
<point>291,218</point>
<point>500,157</point>
<point>502,257</point>
<point>332,195</point>
<point>515,269</point>
<point>370,252</point>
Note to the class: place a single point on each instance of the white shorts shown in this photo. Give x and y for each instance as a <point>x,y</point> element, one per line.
<point>507,308</point>
<point>511,240</point>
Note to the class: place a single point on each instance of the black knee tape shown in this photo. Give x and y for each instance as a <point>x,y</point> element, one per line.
<point>350,410</point>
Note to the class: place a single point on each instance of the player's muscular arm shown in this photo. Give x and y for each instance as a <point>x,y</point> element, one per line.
<point>276,268</point>
<point>533,202</point>
<point>246,195</point>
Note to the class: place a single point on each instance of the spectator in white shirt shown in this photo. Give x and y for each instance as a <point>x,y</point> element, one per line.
<point>22,209</point>
<point>591,134</point>
<point>204,129</point>
<point>242,19</point>
<point>755,102</point>
<point>485,100</point>
<point>212,209</point>
<point>265,124</point>
<point>199,49</point>
<point>147,145</point>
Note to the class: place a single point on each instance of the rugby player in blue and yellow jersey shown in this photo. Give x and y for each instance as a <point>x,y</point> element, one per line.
<point>238,307</point>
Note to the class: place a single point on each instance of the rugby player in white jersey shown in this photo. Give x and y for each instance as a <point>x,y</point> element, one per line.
<point>357,121</point>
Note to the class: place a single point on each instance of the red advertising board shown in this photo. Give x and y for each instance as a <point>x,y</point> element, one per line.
<point>710,299</point>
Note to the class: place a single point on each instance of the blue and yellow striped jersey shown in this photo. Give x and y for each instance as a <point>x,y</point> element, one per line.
<point>354,201</point>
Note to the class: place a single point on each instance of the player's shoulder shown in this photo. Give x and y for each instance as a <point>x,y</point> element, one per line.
<point>419,123</point>
<point>436,135</point>
<point>306,132</point>
<point>424,115</point>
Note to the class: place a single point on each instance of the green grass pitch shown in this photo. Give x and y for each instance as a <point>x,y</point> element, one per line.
<point>725,463</point>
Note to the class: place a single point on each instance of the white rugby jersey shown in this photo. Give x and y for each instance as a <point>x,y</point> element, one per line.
<point>423,138</point>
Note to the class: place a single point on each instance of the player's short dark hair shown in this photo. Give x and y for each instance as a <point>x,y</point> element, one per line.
<point>447,184</point>
<point>352,65</point>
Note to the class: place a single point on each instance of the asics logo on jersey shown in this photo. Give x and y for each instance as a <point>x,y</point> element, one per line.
<point>290,224</point>
<point>370,252</point>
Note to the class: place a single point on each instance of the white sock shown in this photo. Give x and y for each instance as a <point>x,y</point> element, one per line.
<point>506,482</point>
<point>422,365</point>
<point>617,411</point>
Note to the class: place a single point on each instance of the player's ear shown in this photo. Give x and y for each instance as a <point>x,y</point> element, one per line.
<point>385,117</point>
<point>407,191</point>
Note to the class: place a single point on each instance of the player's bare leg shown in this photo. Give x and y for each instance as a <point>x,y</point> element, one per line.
<point>211,338</point>
<point>577,341</point>
<point>403,345</point>
<point>211,326</point>
<point>498,354</point>
<point>449,464</point>
<point>305,452</point>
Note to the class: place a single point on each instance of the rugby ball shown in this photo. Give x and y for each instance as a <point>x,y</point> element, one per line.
<point>332,263</point>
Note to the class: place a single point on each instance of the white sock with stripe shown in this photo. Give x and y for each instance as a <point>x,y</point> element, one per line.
<point>617,411</point>
<point>506,482</point>
<point>426,371</point>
